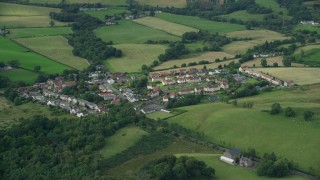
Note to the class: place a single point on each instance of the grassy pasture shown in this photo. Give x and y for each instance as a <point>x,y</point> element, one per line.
<point>208,56</point>
<point>106,2</point>
<point>134,56</point>
<point>9,9</point>
<point>36,32</point>
<point>159,115</point>
<point>307,27</point>
<point>164,3</point>
<point>311,54</point>
<point>258,37</point>
<point>273,4</point>
<point>27,21</point>
<point>244,16</point>
<point>228,172</point>
<point>202,24</point>
<point>270,61</point>
<point>56,48</point>
<point>169,27</point>
<point>110,12</point>
<point>130,32</point>
<point>299,75</point>
<point>20,75</point>
<point>10,50</point>
<point>45,1</point>
<point>122,140</point>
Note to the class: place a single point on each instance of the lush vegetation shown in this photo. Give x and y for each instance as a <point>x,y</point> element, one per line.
<point>36,32</point>
<point>272,166</point>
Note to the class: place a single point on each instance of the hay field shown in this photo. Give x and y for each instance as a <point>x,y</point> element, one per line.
<point>169,27</point>
<point>9,9</point>
<point>207,56</point>
<point>164,3</point>
<point>134,56</point>
<point>20,75</point>
<point>36,32</point>
<point>311,54</point>
<point>106,2</point>
<point>27,21</point>
<point>56,48</point>
<point>270,61</point>
<point>299,75</point>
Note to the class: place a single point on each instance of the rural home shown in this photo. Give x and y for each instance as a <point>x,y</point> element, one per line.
<point>147,110</point>
<point>172,95</point>
<point>231,156</point>
<point>198,90</point>
<point>168,82</point>
<point>186,91</point>
<point>211,89</point>
<point>245,162</point>
<point>165,99</point>
<point>154,94</point>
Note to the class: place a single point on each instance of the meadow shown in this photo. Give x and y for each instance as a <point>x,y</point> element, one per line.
<point>227,172</point>
<point>311,54</point>
<point>257,62</point>
<point>10,50</point>
<point>164,3</point>
<point>106,2</point>
<point>273,4</point>
<point>27,21</point>
<point>159,115</point>
<point>20,75</point>
<point>122,140</point>
<point>134,56</point>
<point>308,27</point>
<point>169,27</point>
<point>9,9</point>
<point>56,48</point>
<point>207,56</point>
<point>36,32</point>
<point>258,37</point>
<point>244,16</point>
<point>238,127</point>
<point>202,24</point>
<point>299,75</point>
<point>127,32</point>
<point>110,12</point>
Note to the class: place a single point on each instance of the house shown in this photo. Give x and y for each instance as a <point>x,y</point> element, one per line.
<point>227,160</point>
<point>132,98</point>
<point>165,99</point>
<point>82,102</point>
<point>80,114</point>
<point>64,97</point>
<point>181,80</point>
<point>116,100</point>
<point>150,86</point>
<point>224,85</point>
<point>231,156</point>
<point>52,103</point>
<point>92,105</point>
<point>239,79</point>
<point>168,78</point>
<point>172,95</point>
<point>147,110</point>
<point>167,82</point>
<point>64,105</point>
<point>110,81</point>
<point>288,83</point>
<point>211,89</point>
<point>198,90</point>
<point>245,162</point>
<point>154,94</point>
<point>186,91</point>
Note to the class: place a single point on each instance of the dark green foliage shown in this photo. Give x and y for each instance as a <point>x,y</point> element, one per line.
<point>244,91</point>
<point>4,81</point>
<point>263,62</point>
<point>11,94</point>
<point>37,68</point>
<point>256,9</point>
<point>14,63</point>
<point>140,83</point>
<point>92,97</point>
<point>289,112</point>
<point>287,61</point>
<point>41,78</point>
<point>271,166</point>
<point>275,64</point>
<point>170,167</point>
<point>2,64</point>
<point>173,52</point>
<point>275,109</point>
<point>308,115</point>
<point>185,101</point>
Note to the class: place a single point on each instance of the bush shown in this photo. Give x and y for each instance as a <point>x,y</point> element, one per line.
<point>289,112</point>
<point>308,115</point>
<point>271,166</point>
<point>275,109</point>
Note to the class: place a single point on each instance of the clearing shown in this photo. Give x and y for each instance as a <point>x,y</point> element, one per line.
<point>56,48</point>
<point>172,28</point>
<point>36,32</point>
<point>134,56</point>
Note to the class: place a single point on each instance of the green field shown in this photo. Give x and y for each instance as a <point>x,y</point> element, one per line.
<point>311,54</point>
<point>299,75</point>
<point>130,32</point>
<point>56,48</point>
<point>9,9</point>
<point>271,4</point>
<point>110,12</point>
<point>107,2</point>
<point>46,1</point>
<point>36,32</point>
<point>159,115</point>
<point>227,172</point>
<point>122,140</point>
<point>169,27</point>
<point>308,27</point>
<point>202,24</point>
<point>10,50</point>
<point>134,56</point>
<point>20,75</point>
<point>164,3</point>
<point>257,62</point>
<point>244,16</point>
<point>242,128</point>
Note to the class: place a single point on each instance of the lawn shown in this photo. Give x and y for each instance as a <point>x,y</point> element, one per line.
<point>163,25</point>
<point>110,12</point>
<point>10,50</point>
<point>258,37</point>
<point>20,75</point>
<point>134,56</point>
<point>207,56</point>
<point>311,54</point>
<point>36,32</point>
<point>122,140</point>
<point>242,128</point>
<point>299,75</point>
<point>257,62</point>
<point>228,172</point>
<point>202,24</point>
<point>159,115</point>
<point>244,16</point>
<point>164,3</point>
<point>128,31</point>
<point>56,48</point>
<point>308,27</point>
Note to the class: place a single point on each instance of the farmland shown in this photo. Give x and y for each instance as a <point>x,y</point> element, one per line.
<point>271,4</point>
<point>134,56</point>
<point>8,9</point>
<point>107,2</point>
<point>159,115</point>
<point>36,32</point>
<point>20,75</point>
<point>122,140</point>
<point>164,3</point>
<point>202,24</point>
<point>130,32</point>
<point>311,54</point>
<point>242,128</point>
<point>172,28</point>
<point>57,48</point>
<point>244,16</point>
<point>207,56</point>
<point>10,50</point>
<point>110,12</point>
<point>257,62</point>
<point>299,75</point>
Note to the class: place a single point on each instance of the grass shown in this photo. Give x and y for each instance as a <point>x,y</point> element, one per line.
<point>244,16</point>
<point>37,32</point>
<point>130,32</point>
<point>134,56</point>
<point>122,140</point>
<point>159,115</point>
<point>10,114</point>
<point>56,48</point>
<point>270,61</point>
<point>308,27</point>
<point>110,12</point>
<point>311,54</point>
<point>228,172</point>
<point>45,1</point>
<point>164,3</point>
<point>299,75</point>
<point>10,50</point>
<point>106,2</point>
<point>169,27</point>
<point>27,21</point>
<point>258,37</point>
<point>202,24</point>
<point>273,4</point>
<point>208,56</point>
<point>292,138</point>
<point>9,9</point>
<point>20,75</point>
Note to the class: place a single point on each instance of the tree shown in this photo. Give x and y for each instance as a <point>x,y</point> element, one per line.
<point>52,23</point>
<point>289,112</point>
<point>308,115</point>
<point>275,64</point>
<point>287,61</point>
<point>235,103</point>
<point>37,68</point>
<point>2,64</point>
<point>272,166</point>
<point>184,65</point>
<point>263,62</point>
<point>14,63</point>
<point>152,13</point>
<point>275,109</point>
